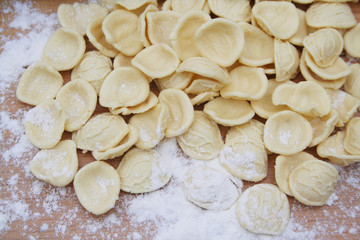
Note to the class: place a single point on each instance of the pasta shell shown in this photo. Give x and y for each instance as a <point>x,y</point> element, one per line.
<point>324,46</point>
<point>78,16</point>
<point>182,37</point>
<point>286,61</point>
<point>277,18</point>
<point>38,83</point>
<point>258,47</point>
<point>237,11</point>
<point>307,98</point>
<point>220,40</point>
<point>326,14</point>
<point>352,84</point>
<point>351,41</point>
<point>181,111</point>
<point>229,112</point>
<point>120,28</point>
<point>97,38</point>
<point>247,83</point>
<point>287,133</point>
<point>64,49</point>
<point>124,87</point>
<point>157,61</point>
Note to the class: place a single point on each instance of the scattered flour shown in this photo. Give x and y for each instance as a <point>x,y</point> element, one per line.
<point>43,210</point>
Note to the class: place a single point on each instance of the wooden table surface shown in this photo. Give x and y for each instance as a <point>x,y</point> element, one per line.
<point>344,212</point>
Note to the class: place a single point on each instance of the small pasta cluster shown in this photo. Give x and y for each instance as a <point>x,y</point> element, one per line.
<point>227,59</point>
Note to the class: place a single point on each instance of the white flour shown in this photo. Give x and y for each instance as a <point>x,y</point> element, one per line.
<point>44,211</point>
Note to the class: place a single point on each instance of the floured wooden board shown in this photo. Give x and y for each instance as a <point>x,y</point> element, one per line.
<point>32,209</point>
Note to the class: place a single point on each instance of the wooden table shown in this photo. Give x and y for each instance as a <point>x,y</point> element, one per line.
<point>55,213</point>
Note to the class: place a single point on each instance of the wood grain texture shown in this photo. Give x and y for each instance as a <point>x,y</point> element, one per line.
<point>20,229</point>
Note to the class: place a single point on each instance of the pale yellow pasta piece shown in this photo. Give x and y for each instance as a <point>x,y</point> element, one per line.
<point>338,69</point>
<point>203,97</point>
<point>44,124</point>
<point>237,11</point>
<point>179,80</point>
<point>303,29</point>
<point>229,112</point>
<point>78,100</point>
<point>101,132</point>
<point>263,209</point>
<point>352,136</point>
<point>200,85</point>
<point>312,77</point>
<point>124,87</point>
<point>352,83</point>
<point>64,49</point>
<point>335,15</point>
<point>204,67</point>
<point>305,97</point>
<point>351,41</point>
<point>142,25</point>
<point>120,28</point>
<point>135,4</point>
<point>333,149</point>
<point>97,38</point>
<point>247,83</point>
<point>78,16</point>
<point>264,106</point>
<point>313,182</point>
<point>277,18</point>
<point>344,103</point>
<point>203,139</point>
<point>125,144</point>
<point>150,102</point>
<point>166,5</point>
<point>286,59</point>
<point>160,24</point>
<point>303,1</point>
<point>38,83</point>
<point>220,40</point>
<point>97,186</point>
<point>324,45</point>
<point>287,132</point>
<point>181,111</point>
<point>182,37</point>
<point>143,171</point>
<point>244,154</point>
<point>93,67</point>
<point>323,126</point>
<point>285,164</point>
<point>57,165</point>
<point>157,61</point>
<point>151,126</point>
<point>209,188</point>
<point>122,60</point>
<point>258,47</point>
<point>182,6</point>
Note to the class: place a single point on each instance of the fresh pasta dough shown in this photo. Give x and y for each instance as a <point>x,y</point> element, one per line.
<point>64,49</point>
<point>39,82</point>
<point>101,132</point>
<point>44,124</point>
<point>287,132</point>
<point>78,100</point>
<point>313,181</point>
<point>57,165</point>
<point>143,171</point>
<point>203,139</point>
<point>97,187</point>
<point>263,209</point>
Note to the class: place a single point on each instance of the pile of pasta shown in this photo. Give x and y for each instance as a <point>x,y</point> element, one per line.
<point>214,63</point>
